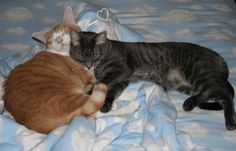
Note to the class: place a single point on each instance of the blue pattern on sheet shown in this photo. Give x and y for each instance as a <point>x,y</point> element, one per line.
<point>158,121</point>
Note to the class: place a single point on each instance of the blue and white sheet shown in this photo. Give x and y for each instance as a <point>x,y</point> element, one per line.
<point>143,117</point>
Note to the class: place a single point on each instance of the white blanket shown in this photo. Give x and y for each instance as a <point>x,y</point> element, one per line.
<point>143,118</point>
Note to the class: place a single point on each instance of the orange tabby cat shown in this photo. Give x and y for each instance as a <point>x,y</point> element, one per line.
<point>49,90</point>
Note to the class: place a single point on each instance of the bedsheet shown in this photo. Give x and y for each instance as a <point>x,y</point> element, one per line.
<point>151,119</point>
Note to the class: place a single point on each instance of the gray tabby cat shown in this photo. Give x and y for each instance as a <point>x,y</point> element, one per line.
<point>193,69</point>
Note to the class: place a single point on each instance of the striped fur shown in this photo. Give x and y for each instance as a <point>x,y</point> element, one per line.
<point>190,68</point>
<point>49,90</point>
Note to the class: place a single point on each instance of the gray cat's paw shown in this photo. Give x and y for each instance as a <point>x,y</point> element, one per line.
<point>188,105</point>
<point>106,108</point>
<point>231,123</point>
<point>231,126</point>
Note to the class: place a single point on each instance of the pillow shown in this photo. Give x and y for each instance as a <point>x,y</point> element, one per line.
<point>91,18</point>
<point>7,64</point>
<point>105,21</point>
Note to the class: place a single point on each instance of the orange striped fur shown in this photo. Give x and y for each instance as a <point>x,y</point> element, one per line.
<point>49,90</point>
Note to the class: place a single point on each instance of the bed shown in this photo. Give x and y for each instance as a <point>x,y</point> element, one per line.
<point>144,117</point>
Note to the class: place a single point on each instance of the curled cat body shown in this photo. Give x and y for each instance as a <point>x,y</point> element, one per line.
<point>198,71</point>
<point>47,91</point>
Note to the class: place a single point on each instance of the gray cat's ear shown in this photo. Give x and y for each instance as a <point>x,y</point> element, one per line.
<point>101,38</point>
<point>41,35</point>
<point>69,16</point>
<point>74,38</point>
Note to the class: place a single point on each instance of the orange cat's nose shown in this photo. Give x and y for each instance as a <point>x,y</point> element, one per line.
<point>59,39</point>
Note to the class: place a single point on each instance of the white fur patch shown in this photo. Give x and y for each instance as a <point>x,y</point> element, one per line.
<point>176,75</point>
<point>129,109</point>
<point>98,95</point>
<point>60,48</point>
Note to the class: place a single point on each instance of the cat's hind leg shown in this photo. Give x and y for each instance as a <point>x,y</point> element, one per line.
<point>201,101</point>
<point>223,94</point>
<point>228,106</point>
<point>194,101</point>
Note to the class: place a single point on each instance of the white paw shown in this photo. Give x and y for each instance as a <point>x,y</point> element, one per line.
<point>114,106</point>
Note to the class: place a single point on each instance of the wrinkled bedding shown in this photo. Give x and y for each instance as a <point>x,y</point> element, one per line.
<point>144,117</point>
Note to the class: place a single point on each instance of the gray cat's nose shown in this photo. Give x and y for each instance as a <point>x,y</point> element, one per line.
<point>88,65</point>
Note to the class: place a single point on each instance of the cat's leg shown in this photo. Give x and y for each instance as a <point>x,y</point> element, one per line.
<point>194,101</point>
<point>210,106</point>
<point>117,81</point>
<point>113,92</point>
<point>223,94</point>
<point>201,104</point>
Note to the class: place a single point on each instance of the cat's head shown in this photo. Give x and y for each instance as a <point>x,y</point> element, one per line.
<point>88,48</point>
<point>58,39</point>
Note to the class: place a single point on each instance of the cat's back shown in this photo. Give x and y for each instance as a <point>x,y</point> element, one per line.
<point>45,64</point>
<point>39,79</point>
<point>165,48</point>
<point>185,47</point>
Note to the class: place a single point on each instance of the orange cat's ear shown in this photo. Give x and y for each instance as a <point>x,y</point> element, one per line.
<point>41,36</point>
<point>69,16</point>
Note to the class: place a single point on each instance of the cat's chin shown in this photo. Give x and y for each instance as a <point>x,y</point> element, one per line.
<point>91,70</point>
<point>60,52</point>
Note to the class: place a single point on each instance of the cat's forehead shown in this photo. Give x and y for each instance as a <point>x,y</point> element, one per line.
<point>62,32</point>
<point>87,39</point>
<point>87,35</point>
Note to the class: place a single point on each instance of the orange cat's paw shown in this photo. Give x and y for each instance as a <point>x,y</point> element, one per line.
<point>90,84</point>
<point>100,87</point>
<point>88,87</point>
